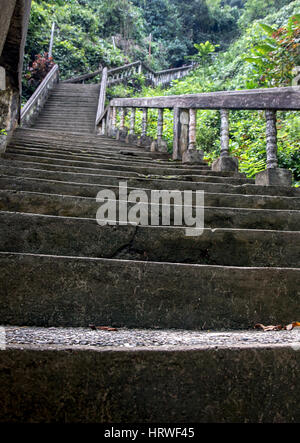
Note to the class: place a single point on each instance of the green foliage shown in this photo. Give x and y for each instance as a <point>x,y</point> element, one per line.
<point>274,58</point>
<point>227,71</point>
<point>238,44</point>
<point>204,51</point>
<point>78,45</point>
<point>256,9</point>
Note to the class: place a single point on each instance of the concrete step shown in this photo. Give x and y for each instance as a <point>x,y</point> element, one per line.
<point>147,183</point>
<point>97,149</point>
<point>196,378</point>
<point>83,207</point>
<point>76,375</point>
<point>79,129</point>
<point>90,190</point>
<point>139,169</point>
<point>48,235</point>
<point>117,159</point>
<point>111,176</point>
<point>68,291</point>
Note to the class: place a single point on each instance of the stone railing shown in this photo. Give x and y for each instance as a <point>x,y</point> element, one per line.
<point>126,72</point>
<point>33,106</point>
<point>185,117</point>
<point>161,78</point>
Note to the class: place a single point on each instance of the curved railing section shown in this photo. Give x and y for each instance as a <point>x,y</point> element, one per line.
<point>34,105</point>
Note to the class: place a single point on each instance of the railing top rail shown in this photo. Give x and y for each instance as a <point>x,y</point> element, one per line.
<point>287,98</point>
<point>181,68</point>
<point>112,71</point>
<point>38,91</point>
<point>123,68</point>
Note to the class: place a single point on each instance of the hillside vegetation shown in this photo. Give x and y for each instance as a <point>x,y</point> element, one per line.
<point>237,44</point>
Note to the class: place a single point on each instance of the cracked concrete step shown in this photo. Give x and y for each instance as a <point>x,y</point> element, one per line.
<point>39,234</point>
<point>68,291</point>
<point>107,164</point>
<point>90,190</point>
<point>207,383</point>
<point>83,207</point>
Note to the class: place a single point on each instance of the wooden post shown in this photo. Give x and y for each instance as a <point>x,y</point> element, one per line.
<point>271,132</point>
<point>224,133</point>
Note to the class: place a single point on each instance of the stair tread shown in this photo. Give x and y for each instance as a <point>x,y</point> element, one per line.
<point>33,233</point>
<point>218,297</point>
<point>141,339</point>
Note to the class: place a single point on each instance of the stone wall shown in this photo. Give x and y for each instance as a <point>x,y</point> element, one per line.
<point>13,30</point>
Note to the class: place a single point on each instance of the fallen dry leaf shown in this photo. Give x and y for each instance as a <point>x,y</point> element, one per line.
<point>268,328</point>
<point>102,328</point>
<point>293,325</point>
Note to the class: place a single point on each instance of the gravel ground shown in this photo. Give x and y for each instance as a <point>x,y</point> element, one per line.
<point>138,338</point>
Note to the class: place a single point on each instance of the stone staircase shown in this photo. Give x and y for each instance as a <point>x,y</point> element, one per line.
<point>70,107</point>
<point>184,307</point>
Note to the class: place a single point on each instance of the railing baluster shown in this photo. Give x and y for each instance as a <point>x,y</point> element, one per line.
<point>225,163</point>
<point>122,118</point>
<point>192,155</point>
<point>122,132</point>
<point>131,136</point>
<point>224,132</point>
<point>144,122</point>
<point>192,129</point>
<point>160,126</point>
<point>144,140</point>
<point>159,145</point>
<point>271,133</point>
<point>114,121</point>
<point>273,176</point>
<point>132,121</point>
